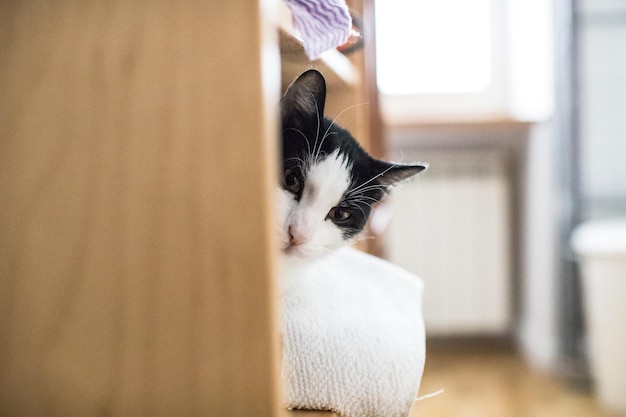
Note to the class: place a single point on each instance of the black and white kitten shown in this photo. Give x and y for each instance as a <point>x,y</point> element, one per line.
<point>330,183</point>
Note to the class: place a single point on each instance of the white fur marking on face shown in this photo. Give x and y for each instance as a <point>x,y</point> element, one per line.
<point>325,184</point>
<point>327,181</point>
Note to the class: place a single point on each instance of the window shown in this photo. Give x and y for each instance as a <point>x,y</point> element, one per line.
<point>433,47</point>
<point>464,59</point>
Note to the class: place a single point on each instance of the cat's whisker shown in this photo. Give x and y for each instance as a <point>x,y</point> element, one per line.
<point>342,112</point>
<point>377,190</point>
<point>361,197</point>
<point>334,121</point>
<point>358,203</point>
<point>319,124</point>
<point>308,144</point>
<point>370,205</point>
<point>295,158</point>
<point>323,139</point>
<point>366,189</point>
<point>361,210</point>
<point>374,177</point>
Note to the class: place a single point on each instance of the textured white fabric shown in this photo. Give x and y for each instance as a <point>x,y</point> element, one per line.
<point>353,336</point>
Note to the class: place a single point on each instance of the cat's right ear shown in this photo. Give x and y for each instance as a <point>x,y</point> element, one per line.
<point>302,106</point>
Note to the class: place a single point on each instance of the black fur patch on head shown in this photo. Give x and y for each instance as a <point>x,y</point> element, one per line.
<point>308,138</point>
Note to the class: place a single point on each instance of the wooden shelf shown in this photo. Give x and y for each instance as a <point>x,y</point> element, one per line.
<point>338,70</point>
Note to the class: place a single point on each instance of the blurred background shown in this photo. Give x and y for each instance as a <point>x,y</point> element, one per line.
<point>518,105</point>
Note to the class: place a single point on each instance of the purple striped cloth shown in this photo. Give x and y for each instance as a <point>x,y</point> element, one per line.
<point>322,24</point>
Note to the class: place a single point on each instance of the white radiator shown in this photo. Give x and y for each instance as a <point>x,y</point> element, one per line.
<point>451,227</point>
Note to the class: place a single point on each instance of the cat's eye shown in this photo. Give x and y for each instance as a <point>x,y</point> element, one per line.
<point>338,215</point>
<point>292,181</point>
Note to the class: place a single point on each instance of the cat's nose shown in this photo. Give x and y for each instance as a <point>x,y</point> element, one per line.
<point>296,237</point>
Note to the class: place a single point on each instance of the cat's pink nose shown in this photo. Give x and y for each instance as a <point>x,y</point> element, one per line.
<point>295,237</point>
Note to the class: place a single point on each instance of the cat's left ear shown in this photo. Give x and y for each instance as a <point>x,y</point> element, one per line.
<point>393,174</point>
<point>303,102</point>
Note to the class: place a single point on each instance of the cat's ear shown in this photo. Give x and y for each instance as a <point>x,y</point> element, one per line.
<point>395,173</point>
<point>302,105</point>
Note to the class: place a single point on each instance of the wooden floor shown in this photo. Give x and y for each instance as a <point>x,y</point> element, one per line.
<point>495,383</point>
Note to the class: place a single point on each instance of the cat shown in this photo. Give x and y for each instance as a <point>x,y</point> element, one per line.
<point>329,183</point>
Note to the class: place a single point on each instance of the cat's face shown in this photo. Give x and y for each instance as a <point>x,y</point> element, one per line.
<point>329,182</point>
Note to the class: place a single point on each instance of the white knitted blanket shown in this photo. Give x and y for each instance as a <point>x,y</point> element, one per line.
<point>353,336</point>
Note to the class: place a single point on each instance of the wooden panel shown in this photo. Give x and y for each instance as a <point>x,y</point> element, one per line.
<point>137,155</point>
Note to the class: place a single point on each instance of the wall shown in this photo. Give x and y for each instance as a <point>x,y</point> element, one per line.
<point>534,202</point>
<point>537,329</point>
<point>603,103</point>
